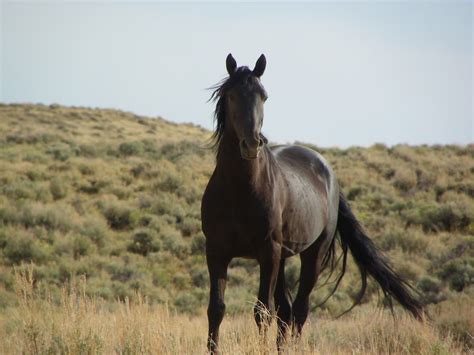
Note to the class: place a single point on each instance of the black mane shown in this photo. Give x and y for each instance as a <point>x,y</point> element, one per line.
<point>241,75</point>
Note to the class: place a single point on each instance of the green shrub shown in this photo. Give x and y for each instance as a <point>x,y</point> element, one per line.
<point>191,193</point>
<point>169,183</point>
<point>121,192</point>
<point>173,242</point>
<point>425,179</point>
<point>198,244</point>
<point>3,237</point>
<point>88,150</point>
<point>23,247</point>
<point>94,186</point>
<point>119,215</point>
<point>121,291</point>
<point>35,157</point>
<point>199,276</point>
<point>237,276</point>
<point>85,169</point>
<point>143,242</point>
<point>35,175</point>
<point>404,179</point>
<point>130,148</point>
<point>354,192</point>
<point>189,302</point>
<point>121,272</point>
<point>63,246</point>
<point>149,145</point>
<point>21,189</point>
<point>81,246</point>
<point>438,217</point>
<point>173,151</point>
<point>51,217</point>
<point>168,204</point>
<point>161,277</point>
<point>33,138</point>
<point>181,280</point>
<point>431,289</point>
<point>60,152</point>
<point>57,188</point>
<point>144,202</point>
<point>459,273</point>
<point>409,240</point>
<point>292,272</point>
<point>8,215</point>
<point>139,169</point>
<point>190,226</point>
<point>96,229</point>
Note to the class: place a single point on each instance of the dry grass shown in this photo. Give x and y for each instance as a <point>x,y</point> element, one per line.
<point>78,324</point>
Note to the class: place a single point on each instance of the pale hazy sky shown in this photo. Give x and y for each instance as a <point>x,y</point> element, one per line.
<point>338,73</point>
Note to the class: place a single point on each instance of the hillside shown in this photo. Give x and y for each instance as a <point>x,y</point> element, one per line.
<point>116,197</point>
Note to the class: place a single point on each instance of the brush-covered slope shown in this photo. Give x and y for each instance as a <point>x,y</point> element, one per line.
<point>116,197</point>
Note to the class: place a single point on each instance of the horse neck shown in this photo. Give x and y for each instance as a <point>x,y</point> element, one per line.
<point>233,168</point>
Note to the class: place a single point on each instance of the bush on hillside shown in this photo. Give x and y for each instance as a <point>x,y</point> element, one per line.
<point>404,179</point>
<point>61,152</point>
<point>130,148</point>
<point>22,247</point>
<point>143,242</point>
<point>433,217</point>
<point>50,216</point>
<point>459,273</point>
<point>431,289</point>
<point>119,215</point>
<point>57,188</point>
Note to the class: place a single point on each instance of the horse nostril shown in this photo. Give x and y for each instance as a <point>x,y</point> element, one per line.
<point>260,142</point>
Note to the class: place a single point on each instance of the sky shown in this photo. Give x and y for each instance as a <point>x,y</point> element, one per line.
<point>338,73</point>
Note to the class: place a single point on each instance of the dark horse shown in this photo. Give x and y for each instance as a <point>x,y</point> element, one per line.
<point>270,203</point>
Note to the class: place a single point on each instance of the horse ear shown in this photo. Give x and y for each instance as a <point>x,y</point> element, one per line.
<point>231,64</point>
<point>260,66</point>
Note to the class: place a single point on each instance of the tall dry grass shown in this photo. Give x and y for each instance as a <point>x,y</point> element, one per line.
<point>78,324</point>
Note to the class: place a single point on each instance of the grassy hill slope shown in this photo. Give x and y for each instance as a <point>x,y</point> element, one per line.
<point>116,197</point>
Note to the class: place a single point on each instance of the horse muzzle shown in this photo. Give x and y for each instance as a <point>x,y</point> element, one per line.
<point>250,151</point>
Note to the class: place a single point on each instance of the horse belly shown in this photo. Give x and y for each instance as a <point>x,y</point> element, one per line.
<point>304,223</point>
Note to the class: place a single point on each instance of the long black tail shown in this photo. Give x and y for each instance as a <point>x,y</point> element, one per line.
<point>371,262</point>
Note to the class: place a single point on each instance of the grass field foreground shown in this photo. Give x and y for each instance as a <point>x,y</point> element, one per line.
<point>79,324</point>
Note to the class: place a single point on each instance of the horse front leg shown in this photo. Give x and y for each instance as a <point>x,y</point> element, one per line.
<point>283,305</point>
<point>269,260</point>
<point>215,312</point>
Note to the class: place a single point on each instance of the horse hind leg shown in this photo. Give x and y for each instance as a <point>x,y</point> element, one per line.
<point>283,306</point>
<point>311,260</point>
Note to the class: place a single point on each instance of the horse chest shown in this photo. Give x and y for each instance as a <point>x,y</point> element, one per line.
<point>241,218</point>
<point>244,215</point>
